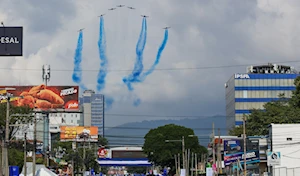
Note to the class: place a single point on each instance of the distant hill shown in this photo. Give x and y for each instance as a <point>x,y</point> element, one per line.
<point>133,133</point>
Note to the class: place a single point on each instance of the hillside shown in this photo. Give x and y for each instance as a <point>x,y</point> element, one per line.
<point>133,133</point>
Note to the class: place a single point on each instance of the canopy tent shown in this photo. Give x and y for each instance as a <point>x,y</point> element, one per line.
<point>124,162</point>
<point>41,170</point>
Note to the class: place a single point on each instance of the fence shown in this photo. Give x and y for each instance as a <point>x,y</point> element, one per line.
<point>283,171</point>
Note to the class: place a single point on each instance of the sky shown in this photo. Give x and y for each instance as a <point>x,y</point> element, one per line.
<point>206,34</point>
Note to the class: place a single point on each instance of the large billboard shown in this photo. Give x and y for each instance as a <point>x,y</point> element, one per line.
<point>43,97</point>
<point>251,157</point>
<point>11,41</point>
<point>79,133</point>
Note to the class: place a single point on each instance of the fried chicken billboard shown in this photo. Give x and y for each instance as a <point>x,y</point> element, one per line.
<point>79,133</point>
<point>43,97</point>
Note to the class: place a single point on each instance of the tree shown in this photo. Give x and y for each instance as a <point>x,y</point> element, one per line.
<point>102,141</point>
<point>22,117</point>
<point>281,111</point>
<point>161,152</point>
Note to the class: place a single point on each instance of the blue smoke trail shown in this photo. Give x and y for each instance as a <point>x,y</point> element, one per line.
<point>137,102</point>
<point>108,103</point>
<point>138,66</point>
<point>160,50</point>
<point>77,72</point>
<point>102,54</point>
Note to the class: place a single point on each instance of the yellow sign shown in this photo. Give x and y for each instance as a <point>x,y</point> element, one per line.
<point>3,91</point>
<point>11,99</point>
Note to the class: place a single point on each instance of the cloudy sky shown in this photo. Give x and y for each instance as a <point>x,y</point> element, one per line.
<point>205,34</point>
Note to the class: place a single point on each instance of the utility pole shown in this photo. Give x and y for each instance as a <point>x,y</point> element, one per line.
<point>34,145</point>
<point>46,136</point>
<point>6,142</point>
<point>219,153</point>
<point>245,149</point>
<point>183,151</point>
<point>178,163</point>
<point>196,161</point>
<point>25,153</point>
<point>213,134</point>
<point>175,157</point>
<point>192,164</point>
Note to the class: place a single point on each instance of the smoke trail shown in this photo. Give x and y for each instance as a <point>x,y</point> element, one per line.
<point>159,52</point>
<point>138,66</point>
<point>102,54</point>
<point>137,102</point>
<point>77,72</point>
<point>108,103</point>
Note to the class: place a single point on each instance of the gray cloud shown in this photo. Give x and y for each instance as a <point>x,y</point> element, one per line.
<point>203,33</point>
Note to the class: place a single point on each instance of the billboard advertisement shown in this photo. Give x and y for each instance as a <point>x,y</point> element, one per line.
<point>43,97</point>
<point>233,146</point>
<point>11,41</point>
<point>251,157</point>
<point>79,133</point>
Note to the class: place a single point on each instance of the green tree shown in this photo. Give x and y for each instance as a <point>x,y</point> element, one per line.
<point>102,141</point>
<point>18,114</point>
<point>161,152</point>
<point>281,111</point>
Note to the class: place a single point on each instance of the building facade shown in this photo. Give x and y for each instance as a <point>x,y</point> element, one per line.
<point>251,90</point>
<point>92,105</point>
<point>285,139</point>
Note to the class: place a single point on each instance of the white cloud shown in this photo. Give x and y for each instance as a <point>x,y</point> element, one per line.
<point>203,33</point>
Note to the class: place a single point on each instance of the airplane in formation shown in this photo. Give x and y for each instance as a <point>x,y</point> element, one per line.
<point>101,15</point>
<point>80,29</point>
<point>144,16</point>
<point>112,9</point>
<point>166,27</point>
<point>120,5</point>
<point>132,8</point>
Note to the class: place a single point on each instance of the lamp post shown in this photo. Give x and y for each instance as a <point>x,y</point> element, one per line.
<point>184,162</point>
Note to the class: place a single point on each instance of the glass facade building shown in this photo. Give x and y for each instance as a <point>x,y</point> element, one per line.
<point>92,105</point>
<point>245,92</point>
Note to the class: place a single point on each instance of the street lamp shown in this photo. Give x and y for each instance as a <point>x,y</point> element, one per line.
<point>183,150</point>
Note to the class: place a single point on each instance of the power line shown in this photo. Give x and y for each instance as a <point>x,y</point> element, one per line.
<point>157,69</point>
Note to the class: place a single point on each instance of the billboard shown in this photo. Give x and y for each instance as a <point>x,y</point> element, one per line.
<point>237,145</point>
<point>79,133</point>
<point>43,97</point>
<point>11,41</point>
<point>233,146</point>
<point>251,157</point>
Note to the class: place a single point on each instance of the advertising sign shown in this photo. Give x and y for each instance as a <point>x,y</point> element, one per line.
<point>251,157</point>
<point>274,158</point>
<point>102,153</point>
<point>11,41</point>
<point>233,146</point>
<point>79,133</point>
<point>43,97</point>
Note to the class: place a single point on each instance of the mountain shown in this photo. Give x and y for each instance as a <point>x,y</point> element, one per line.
<point>133,133</point>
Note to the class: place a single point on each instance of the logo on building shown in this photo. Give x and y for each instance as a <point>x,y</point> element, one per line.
<point>241,76</point>
<point>102,153</point>
<point>274,158</point>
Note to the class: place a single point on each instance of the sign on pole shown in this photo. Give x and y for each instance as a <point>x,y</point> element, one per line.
<point>11,41</point>
<point>274,158</point>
